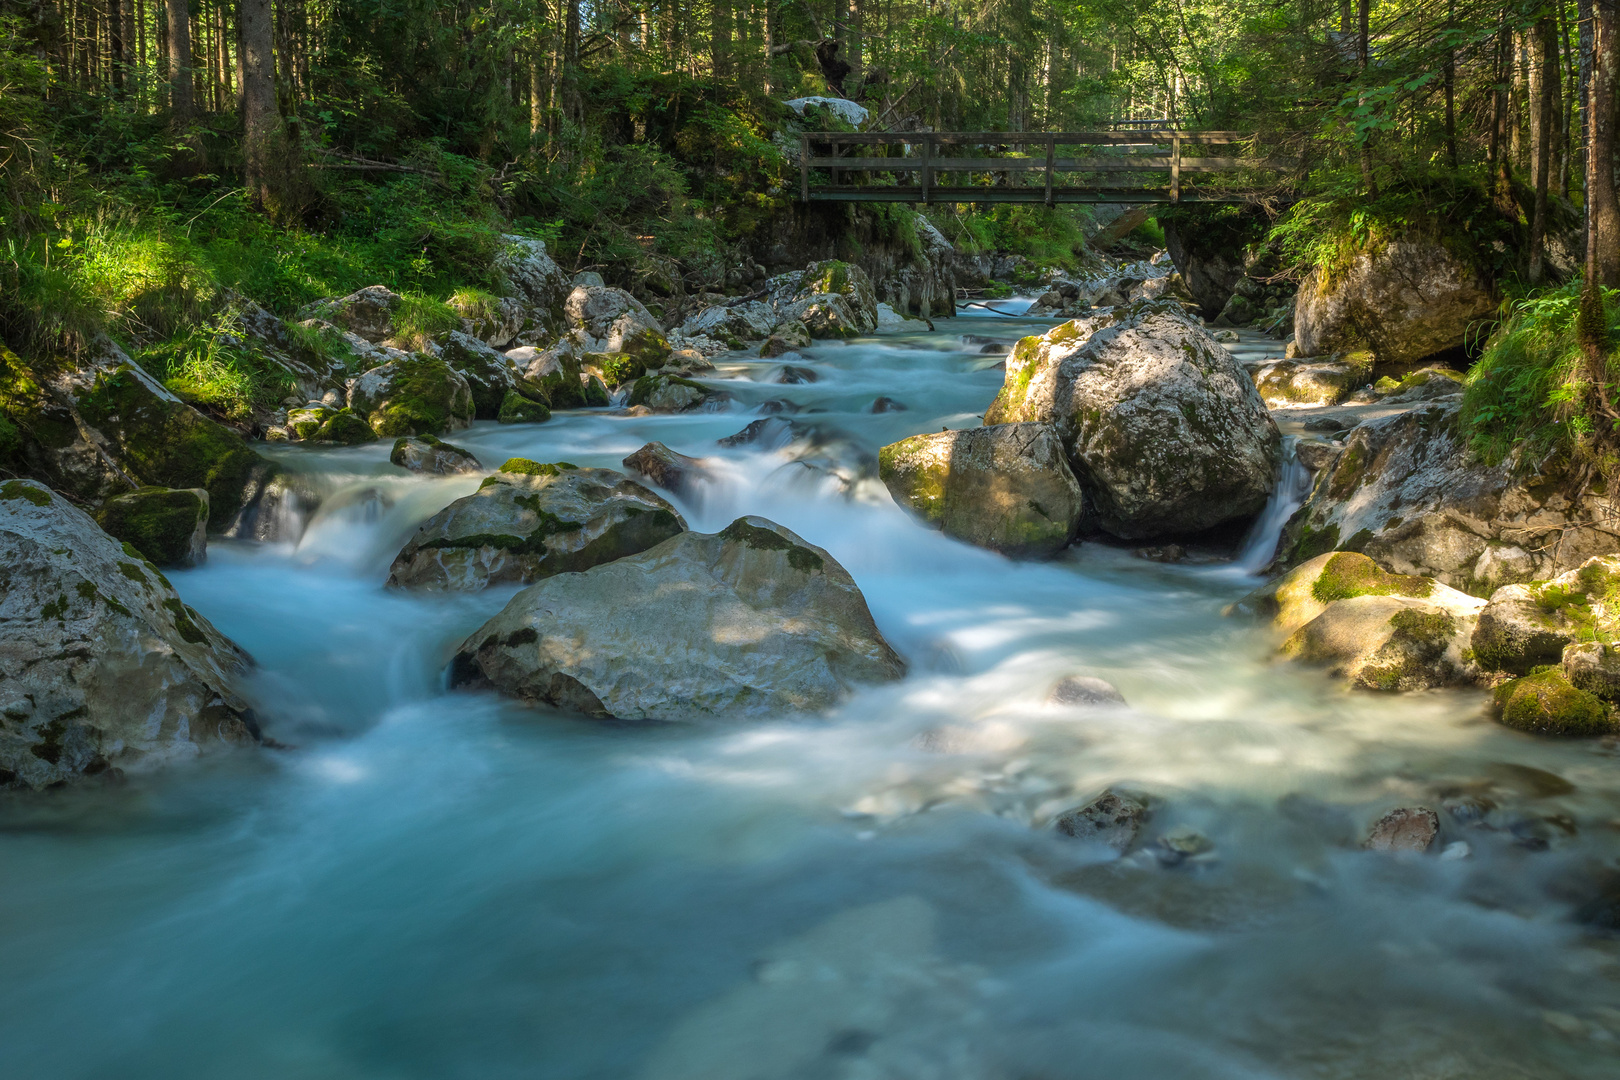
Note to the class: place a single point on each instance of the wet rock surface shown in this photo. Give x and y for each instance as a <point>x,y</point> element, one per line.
<point>426,454</point>
<point>168,527</point>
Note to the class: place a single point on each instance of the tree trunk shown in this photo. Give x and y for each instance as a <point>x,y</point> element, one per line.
<point>1363,61</point>
<point>1603,223</point>
<point>181,104</point>
<point>1450,73</point>
<point>115,44</point>
<point>261,119</point>
<point>1502,124</point>
<point>573,107</point>
<point>1545,82</point>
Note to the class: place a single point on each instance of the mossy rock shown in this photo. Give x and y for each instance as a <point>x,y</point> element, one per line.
<point>617,368</point>
<point>517,409</point>
<point>1349,574</point>
<point>344,428</point>
<point>648,347</point>
<point>168,443</point>
<point>418,395</point>
<point>596,393</point>
<point>167,526</point>
<point>1544,703</point>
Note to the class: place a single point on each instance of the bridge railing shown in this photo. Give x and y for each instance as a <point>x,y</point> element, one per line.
<point>1115,166</point>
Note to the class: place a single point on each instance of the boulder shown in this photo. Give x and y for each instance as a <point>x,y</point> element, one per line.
<point>419,395</point>
<point>734,324</point>
<point>496,321</point>
<point>1407,492</point>
<point>1306,591</point>
<point>1209,273</point>
<point>553,374</point>
<point>367,313</point>
<point>531,520</point>
<point>312,353</point>
<point>1547,704</point>
<point>748,622</point>
<point>168,526</point>
<point>890,321</point>
<point>666,393</point>
<point>1409,828</point>
<point>102,666</point>
<point>1388,642</point>
<point>1593,667</point>
<point>1525,626</point>
<point>830,299</point>
<point>98,425</point>
<point>1006,487</point>
<point>425,454</point>
<point>324,424</point>
<point>517,409</point>
<point>603,312</point>
<point>1163,427</point>
<point>490,375</point>
<point>1114,818</point>
<point>671,471</point>
<point>535,279</point>
<point>1292,383</point>
<point>1406,300</point>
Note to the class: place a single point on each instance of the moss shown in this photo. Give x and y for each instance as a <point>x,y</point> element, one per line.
<point>517,409</point>
<point>800,558</point>
<point>183,624</point>
<point>169,444</point>
<point>1347,474</point>
<point>344,428</point>
<point>424,399</point>
<point>1546,704</point>
<point>647,347</point>
<point>16,489</point>
<point>1358,541</point>
<point>925,487</point>
<point>157,522</point>
<point>1313,542</point>
<point>1348,574</point>
<point>648,385</point>
<point>29,409</point>
<point>525,467</point>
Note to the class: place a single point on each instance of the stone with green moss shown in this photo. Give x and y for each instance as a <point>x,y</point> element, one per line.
<point>1387,642</point>
<point>426,454</point>
<point>517,409</point>
<point>105,666</point>
<point>1306,591</point>
<point>490,375</point>
<point>1528,625</point>
<point>1593,666</point>
<point>416,395</point>
<point>530,520</point>
<point>665,392</point>
<point>168,527</point>
<point>344,428</point>
<point>1006,487</point>
<point>1544,703</point>
<point>751,622</point>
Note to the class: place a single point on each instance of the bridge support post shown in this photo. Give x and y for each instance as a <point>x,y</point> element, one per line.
<point>928,170</point>
<point>804,168</point>
<point>1051,154</point>
<point>1175,168</point>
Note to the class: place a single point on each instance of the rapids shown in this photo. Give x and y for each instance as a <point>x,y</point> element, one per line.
<point>424,884</point>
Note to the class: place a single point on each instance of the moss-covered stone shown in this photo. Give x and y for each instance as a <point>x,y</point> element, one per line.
<point>169,444</point>
<point>596,393</point>
<point>1349,574</point>
<point>1544,703</point>
<point>167,526</point>
<point>417,395</point>
<point>344,428</point>
<point>744,532</point>
<point>519,466</point>
<point>16,489</point>
<point>517,409</point>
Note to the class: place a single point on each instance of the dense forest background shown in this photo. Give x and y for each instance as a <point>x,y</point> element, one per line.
<point>158,157</point>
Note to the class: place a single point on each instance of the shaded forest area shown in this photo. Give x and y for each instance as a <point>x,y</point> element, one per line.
<point>159,157</point>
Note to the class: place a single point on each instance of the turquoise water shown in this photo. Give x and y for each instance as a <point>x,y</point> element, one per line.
<point>426,884</point>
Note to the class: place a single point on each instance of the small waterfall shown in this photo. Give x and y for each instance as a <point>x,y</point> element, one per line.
<point>1293,484</point>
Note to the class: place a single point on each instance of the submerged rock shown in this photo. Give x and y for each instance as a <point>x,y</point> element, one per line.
<point>1546,704</point>
<point>426,454</point>
<point>168,526</point>
<point>1163,427</point>
<point>667,393</point>
<point>1406,829</point>
<point>419,395</point>
<point>101,665</point>
<point>1114,818</point>
<point>1006,487</point>
<point>669,470</point>
<point>1085,690</point>
<point>531,520</point>
<point>748,622</point>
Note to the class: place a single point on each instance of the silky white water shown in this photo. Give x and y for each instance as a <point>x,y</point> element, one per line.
<point>432,884</point>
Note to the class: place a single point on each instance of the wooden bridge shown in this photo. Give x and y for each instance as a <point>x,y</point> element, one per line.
<point>1160,166</point>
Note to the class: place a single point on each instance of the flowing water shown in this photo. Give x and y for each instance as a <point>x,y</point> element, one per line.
<point>432,884</point>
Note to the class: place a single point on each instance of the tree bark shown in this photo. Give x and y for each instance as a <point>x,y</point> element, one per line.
<point>1603,221</point>
<point>1450,74</point>
<point>181,103</point>
<point>573,106</point>
<point>1545,82</point>
<point>260,117</point>
<point>115,44</point>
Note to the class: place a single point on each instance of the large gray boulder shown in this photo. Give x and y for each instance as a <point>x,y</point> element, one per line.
<point>531,520</point>
<point>416,395</point>
<point>1525,626</point>
<point>1407,491</point>
<point>1163,428</point>
<point>367,313</point>
<point>1006,487</point>
<point>101,663</point>
<point>749,622</point>
<point>534,278</point>
<point>490,375</point>
<point>1390,642</point>
<point>1406,300</point>
<point>749,321</point>
<point>608,314</point>
<point>830,299</point>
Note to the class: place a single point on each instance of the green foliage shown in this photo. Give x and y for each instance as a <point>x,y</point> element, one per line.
<point>1047,236</point>
<point>209,364</point>
<point>1530,387</point>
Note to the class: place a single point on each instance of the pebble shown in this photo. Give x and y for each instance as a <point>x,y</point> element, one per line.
<point>1410,828</point>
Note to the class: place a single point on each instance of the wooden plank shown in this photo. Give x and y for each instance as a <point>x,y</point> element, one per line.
<point>938,195</point>
<point>1063,138</point>
<point>1175,170</point>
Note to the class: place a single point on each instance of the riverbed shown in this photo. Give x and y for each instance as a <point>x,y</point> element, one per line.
<point>425,884</point>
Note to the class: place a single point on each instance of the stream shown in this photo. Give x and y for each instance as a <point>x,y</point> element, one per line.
<point>425,884</point>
